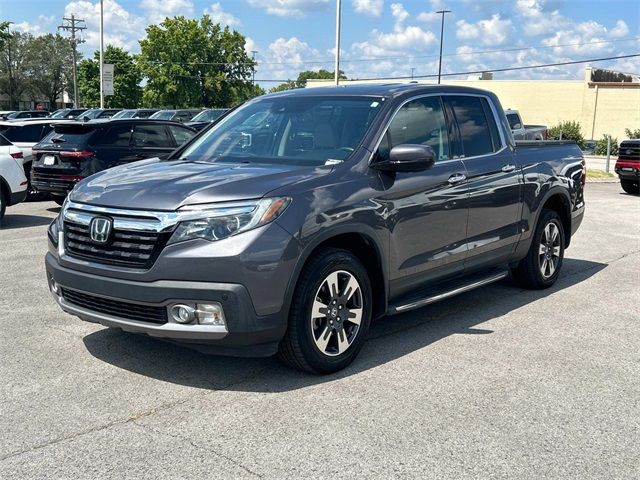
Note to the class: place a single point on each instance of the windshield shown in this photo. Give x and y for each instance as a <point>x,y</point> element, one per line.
<point>163,115</point>
<point>125,114</point>
<point>89,114</point>
<point>208,115</point>
<point>60,113</point>
<point>296,130</point>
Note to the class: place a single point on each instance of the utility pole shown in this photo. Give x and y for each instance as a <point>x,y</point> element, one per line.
<point>441,38</point>
<point>10,68</point>
<point>101,54</point>
<point>412,70</point>
<point>253,72</point>
<point>337,65</point>
<point>74,25</point>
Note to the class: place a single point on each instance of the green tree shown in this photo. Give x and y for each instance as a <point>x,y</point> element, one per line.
<point>4,33</point>
<point>14,66</point>
<point>127,92</point>
<point>601,145</point>
<point>195,63</point>
<point>632,133</point>
<point>567,131</point>
<point>301,81</point>
<point>49,66</point>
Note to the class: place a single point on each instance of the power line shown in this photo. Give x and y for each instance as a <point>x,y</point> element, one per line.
<point>369,59</point>
<point>509,69</point>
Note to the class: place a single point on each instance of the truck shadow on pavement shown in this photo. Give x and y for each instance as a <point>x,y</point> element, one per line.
<point>11,221</point>
<point>389,338</point>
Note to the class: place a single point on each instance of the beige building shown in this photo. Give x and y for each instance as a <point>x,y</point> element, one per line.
<point>600,107</point>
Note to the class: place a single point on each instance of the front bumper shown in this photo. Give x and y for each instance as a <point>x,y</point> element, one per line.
<point>245,334</point>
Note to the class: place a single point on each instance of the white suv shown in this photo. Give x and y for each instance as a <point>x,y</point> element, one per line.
<point>13,182</point>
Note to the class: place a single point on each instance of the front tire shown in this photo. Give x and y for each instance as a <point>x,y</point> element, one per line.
<point>58,199</point>
<point>330,313</point>
<point>541,267</point>
<point>631,186</point>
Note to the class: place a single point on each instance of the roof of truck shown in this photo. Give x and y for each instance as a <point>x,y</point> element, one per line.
<point>376,90</point>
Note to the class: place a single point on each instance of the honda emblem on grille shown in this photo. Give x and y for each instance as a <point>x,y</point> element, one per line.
<point>100,229</point>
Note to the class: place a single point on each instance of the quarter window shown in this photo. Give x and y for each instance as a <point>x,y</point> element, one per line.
<point>180,134</point>
<point>473,125</point>
<point>420,122</point>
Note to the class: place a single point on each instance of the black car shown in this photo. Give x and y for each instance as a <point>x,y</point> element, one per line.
<point>27,114</point>
<point>67,113</point>
<point>135,113</point>
<point>182,116</point>
<point>205,117</point>
<point>97,113</point>
<point>74,151</point>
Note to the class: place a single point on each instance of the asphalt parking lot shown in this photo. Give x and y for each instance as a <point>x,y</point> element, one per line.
<point>496,383</point>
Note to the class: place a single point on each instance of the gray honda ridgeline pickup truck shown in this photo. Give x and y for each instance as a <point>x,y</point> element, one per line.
<point>301,216</point>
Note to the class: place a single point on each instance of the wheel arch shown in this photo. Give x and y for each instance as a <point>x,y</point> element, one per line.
<point>557,199</point>
<point>364,244</point>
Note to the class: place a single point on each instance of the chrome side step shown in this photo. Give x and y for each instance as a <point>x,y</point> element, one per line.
<point>436,297</point>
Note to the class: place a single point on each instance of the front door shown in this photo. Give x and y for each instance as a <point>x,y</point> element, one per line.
<point>494,181</point>
<point>427,210</point>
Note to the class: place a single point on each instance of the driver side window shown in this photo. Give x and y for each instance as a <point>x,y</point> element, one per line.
<point>420,122</point>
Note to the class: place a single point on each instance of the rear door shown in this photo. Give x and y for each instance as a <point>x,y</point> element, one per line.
<point>493,178</point>
<point>151,140</point>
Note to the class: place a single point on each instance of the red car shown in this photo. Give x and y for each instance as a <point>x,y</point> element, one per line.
<point>628,166</point>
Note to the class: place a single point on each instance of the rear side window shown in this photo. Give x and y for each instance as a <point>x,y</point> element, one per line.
<point>473,125</point>
<point>27,133</point>
<point>117,136</point>
<point>151,136</point>
<point>181,135</point>
<point>421,122</point>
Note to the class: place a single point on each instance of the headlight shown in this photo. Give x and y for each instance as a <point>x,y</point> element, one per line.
<point>218,221</point>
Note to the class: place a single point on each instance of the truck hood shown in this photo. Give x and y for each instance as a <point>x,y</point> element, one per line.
<point>168,185</point>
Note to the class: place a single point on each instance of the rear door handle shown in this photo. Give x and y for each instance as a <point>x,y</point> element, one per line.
<point>457,178</point>
<point>508,168</point>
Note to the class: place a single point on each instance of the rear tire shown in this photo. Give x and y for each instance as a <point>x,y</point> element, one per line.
<point>631,186</point>
<point>330,313</point>
<point>3,204</point>
<point>541,267</point>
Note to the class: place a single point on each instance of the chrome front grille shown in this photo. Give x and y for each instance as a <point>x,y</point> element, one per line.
<point>126,247</point>
<point>135,239</point>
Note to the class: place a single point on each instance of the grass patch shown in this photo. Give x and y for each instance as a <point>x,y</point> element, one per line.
<point>599,174</point>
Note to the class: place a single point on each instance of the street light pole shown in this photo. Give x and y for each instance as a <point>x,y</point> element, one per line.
<point>101,53</point>
<point>441,38</point>
<point>337,64</point>
<point>253,72</point>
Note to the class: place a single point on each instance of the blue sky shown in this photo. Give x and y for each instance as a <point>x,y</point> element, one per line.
<point>380,37</point>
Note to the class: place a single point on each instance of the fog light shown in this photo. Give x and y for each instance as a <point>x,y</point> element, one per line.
<point>210,314</point>
<point>183,313</point>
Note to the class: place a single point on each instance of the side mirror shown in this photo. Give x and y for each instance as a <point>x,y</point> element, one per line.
<point>407,158</point>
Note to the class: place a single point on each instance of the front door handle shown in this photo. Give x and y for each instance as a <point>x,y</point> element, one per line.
<point>508,168</point>
<point>457,178</point>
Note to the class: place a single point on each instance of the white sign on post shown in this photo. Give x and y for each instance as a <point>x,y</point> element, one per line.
<point>107,78</point>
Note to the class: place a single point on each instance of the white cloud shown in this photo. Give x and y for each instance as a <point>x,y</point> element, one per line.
<point>218,15</point>
<point>158,10</point>
<point>371,8</point>
<point>121,28</point>
<point>43,25</point>
<point>621,30</point>
<point>428,17</point>
<point>249,45</point>
<point>400,15</point>
<point>291,8</point>
<point>493,31</point>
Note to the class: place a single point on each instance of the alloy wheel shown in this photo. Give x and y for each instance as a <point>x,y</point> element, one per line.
<point>336,313</point>
<point>549,250</point>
